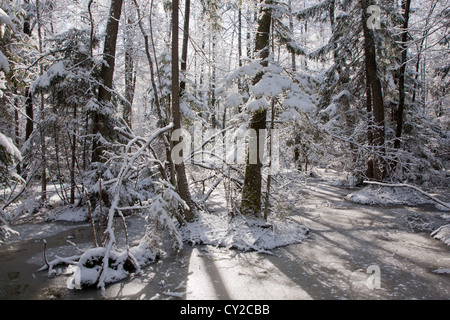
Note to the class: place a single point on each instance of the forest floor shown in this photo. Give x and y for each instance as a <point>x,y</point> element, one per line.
<point>353,251</point>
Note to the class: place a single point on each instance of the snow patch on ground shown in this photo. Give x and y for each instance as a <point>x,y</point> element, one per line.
<point>376,195</point>
<point>69,213</point>
<point>443,234</point>
<point>442,271</point>
<point>242,233</point>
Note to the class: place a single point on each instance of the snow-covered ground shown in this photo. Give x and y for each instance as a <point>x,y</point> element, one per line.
<point>351,251</point>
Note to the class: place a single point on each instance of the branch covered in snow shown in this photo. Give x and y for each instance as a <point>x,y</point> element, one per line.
<point>128,161</point>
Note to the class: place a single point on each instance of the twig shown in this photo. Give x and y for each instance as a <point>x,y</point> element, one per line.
<point>73,260</point>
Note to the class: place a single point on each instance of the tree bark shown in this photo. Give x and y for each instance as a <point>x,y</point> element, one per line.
<point>291,28</point>
<point>401,81</point>
<point>369,172</point>
<point>42,133</point>
<point>130,78</point>
<point>240,82</point>
<point>379,164</point>
<point>29,127</point>
<point>28,94</point>
<point>251,192</point>
<point>100,125</point>
<point>182,184</point>
<point>73,159</point>
<point>184,50</point>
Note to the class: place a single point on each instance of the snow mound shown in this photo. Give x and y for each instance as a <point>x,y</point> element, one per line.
<point>68,213</point>
<point>376,195</point>
<point>242,233</point>
<point>443,234</point>
<point>89,268</point>
<point>441,270</point>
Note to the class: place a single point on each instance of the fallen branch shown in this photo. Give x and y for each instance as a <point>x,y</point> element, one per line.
<point>206,196</point>
<point>49,265</point>
<point>127,164</point>
<point>404,185</point>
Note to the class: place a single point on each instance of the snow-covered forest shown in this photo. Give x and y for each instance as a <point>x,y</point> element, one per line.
<point>159,127</point>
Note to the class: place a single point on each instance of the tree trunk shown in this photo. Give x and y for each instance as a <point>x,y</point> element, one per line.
<point>270,151</point>
<point>28,95</point>
<point>29,127</point>
<point>401,81</point>
<point>379,164</point>
<point>291,28</point>
<point>240,82</point>
<point>251,192</point>
<point>17,129</point>
<point>42,133</point>
<point>73,158</point>
<point>184,50</point>
<point>130,78</point>
<point>161,120</point>
<point>100,120</point>
<point>369,172</point>
<point>182,184</point>
<point>213,111</point>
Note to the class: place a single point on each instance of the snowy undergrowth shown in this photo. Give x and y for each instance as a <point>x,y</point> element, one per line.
<point>246,234</point>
